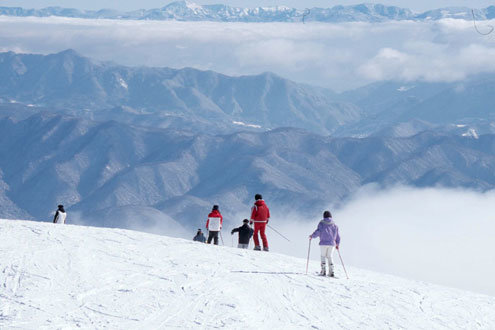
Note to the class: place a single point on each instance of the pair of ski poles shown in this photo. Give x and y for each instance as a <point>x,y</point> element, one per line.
<point>309,249</point>
<point>340,256</point>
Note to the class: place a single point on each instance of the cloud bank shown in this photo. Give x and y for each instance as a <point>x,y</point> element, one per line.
<point>339,56</point>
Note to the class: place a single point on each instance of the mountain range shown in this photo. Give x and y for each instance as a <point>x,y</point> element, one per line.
<point>207,101</point>
<point>166,97</point>
<point>189,11</point>
<point>139,147</point>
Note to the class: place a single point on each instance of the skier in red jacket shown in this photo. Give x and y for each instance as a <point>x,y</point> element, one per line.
<point>260,215</point>
<point>214,224</point>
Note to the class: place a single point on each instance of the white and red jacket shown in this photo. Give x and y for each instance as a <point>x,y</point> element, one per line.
<point>260,212</point>
<point>215,221</point>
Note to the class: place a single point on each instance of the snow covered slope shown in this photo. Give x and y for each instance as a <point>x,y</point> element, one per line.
<point>56,277</point>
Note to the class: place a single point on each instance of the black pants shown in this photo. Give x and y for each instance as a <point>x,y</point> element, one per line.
<point>213,235</point>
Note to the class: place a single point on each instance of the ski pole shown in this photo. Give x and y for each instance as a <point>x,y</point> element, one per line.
<point>307,262</point>
<point>221,238</point>
<point>277,232</point>
<point>232,236</point>
<point>342,262</point>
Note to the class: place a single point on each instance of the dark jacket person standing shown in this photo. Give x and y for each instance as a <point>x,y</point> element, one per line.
<point>245,233</point>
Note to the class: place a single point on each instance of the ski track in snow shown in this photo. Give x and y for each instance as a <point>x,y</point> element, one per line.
<point>65,276</point>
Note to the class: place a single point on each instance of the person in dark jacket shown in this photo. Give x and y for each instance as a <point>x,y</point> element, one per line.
<point>245,233</point>
<point>60,215</point>
<point>199,237</point>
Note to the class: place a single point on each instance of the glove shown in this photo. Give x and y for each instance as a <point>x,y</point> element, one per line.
<point>310,238</point>
<point>337,247</point>
<point>232,232</point>
<point>251,222</point>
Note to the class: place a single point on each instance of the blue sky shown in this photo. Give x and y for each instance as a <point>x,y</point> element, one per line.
<point>132,4</point>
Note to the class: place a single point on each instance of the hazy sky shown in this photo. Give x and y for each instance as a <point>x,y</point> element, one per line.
<point>132,4</point>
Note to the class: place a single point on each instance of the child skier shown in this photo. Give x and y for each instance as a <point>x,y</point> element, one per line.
<point>329,239</point>
<point>245,232</point>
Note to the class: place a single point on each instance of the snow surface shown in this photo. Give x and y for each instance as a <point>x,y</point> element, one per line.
<point>66,276</point>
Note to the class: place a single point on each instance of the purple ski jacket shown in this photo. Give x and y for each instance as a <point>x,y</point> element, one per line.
<point>328,232</point>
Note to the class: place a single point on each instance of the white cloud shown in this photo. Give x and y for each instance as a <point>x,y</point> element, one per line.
<point>340,56</point>
<point>432,63</point>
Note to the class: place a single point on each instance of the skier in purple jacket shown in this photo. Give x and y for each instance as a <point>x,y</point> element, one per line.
<point>329,239</point>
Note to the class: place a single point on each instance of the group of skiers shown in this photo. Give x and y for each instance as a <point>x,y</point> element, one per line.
<point>327,231</point>
<point>260,216</point>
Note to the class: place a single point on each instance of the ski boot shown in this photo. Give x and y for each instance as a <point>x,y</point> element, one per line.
<point>257,248</point>
<point>323,270</point>
<point>330,271</point>
<point>265,248</point>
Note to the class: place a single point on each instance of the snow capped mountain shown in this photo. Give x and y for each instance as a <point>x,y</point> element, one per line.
<point>70,276</point>
<point>189,11</point>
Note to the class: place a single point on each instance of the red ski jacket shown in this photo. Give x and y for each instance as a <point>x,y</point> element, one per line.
<point>260,212</point>
<point>215,220</point>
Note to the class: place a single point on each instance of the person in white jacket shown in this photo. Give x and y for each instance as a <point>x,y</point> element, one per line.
<point>214,225</point>
<point>60,215</point>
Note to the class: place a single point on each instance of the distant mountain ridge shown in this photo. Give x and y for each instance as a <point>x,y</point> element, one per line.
<point>207,101</point>
<point>165,97</point>
<point>189,11</point>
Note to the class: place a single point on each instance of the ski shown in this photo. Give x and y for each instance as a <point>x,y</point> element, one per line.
<point>319,275</point>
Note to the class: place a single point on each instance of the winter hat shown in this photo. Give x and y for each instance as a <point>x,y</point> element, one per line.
<point>215,207</point>
<point>60,206</point>
<point>327,214</point>
<point>258,196</point>
<point>245,220</point>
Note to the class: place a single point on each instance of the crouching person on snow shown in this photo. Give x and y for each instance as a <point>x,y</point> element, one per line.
<point>199,237</point>
<point>60,215</point>
<point>329,239</point>
<point>245,232</point>
<point>214,225</point>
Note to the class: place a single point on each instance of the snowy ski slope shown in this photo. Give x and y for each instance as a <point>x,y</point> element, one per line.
<point>66,276</point>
